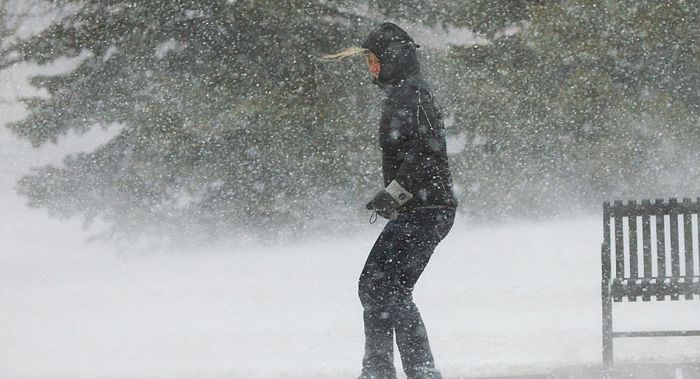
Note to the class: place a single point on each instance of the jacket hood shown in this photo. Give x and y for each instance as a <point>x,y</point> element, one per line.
<point>396,51</point>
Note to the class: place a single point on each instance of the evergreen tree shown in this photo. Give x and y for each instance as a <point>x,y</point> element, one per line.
<point>227,120</point>
<point>590,100</point>
<point>227,115</point>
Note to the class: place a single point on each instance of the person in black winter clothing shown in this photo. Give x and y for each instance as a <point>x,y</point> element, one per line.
<point>417,199</point>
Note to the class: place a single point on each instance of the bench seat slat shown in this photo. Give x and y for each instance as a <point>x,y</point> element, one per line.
<point>631,289</point>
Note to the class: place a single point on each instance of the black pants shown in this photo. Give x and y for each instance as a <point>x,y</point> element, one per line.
<point>395,263</point>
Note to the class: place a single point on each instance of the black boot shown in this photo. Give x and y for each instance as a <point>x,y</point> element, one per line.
<point>377,376</point>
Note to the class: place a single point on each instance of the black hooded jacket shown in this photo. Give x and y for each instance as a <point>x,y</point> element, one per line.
<point>411,129</point>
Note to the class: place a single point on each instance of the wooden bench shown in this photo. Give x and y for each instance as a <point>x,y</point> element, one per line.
<point>650,255</point>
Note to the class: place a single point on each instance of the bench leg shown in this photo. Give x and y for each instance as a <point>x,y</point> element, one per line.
<point>607,329</point>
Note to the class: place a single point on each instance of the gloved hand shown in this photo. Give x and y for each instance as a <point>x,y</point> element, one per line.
<point>385,205</point>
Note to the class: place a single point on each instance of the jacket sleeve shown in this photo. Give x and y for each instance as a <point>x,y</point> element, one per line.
<point>421,129</point>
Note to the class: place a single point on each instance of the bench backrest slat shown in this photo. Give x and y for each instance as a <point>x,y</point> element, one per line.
<point>632,238</point>
<point>646,240</point>
<point>619,245</point>
<point>688,245</point>
<point>675,261</point>
<point>646,251</point>
<point>660,240</point>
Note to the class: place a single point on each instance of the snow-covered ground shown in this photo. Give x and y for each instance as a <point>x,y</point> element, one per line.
<point>509,298</point>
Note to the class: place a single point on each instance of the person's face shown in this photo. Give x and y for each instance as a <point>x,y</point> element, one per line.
<point>374,66</point>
